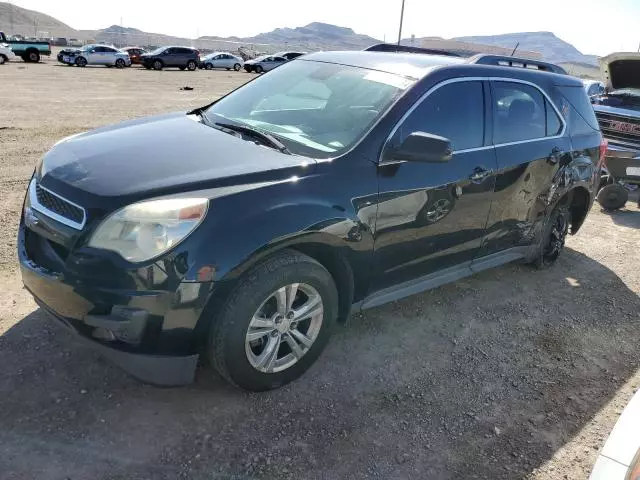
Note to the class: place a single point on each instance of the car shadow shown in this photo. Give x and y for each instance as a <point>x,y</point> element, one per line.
<point>628,216</point>
<point>484,378</point>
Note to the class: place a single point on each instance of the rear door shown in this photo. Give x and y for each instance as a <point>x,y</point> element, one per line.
<point>530,144</point>
<point>170,57</point>
<point>432,216</point>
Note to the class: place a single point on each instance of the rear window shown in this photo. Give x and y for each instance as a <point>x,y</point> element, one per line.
<point>581,111</point>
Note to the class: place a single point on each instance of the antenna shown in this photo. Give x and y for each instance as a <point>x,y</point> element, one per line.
<point>401,19</point>
<point>516,48</point>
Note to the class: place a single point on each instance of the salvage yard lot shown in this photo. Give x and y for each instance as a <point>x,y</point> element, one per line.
<point>513,373</point>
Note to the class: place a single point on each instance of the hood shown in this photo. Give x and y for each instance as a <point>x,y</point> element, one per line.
<point>155,156</point>
<point>621,70</point>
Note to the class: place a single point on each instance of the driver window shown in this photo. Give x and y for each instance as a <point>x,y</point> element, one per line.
<point>454,111</point>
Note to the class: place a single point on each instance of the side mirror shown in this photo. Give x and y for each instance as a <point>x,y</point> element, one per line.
<point>422,147</point>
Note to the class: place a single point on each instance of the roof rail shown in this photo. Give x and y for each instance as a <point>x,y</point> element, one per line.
<point>392,47</point>
<point>505,61</point>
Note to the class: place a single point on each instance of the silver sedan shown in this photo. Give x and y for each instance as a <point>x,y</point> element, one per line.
<point>264,63</point>
<point>98,55</point>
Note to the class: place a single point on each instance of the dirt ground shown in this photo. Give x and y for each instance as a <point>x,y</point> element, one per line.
<point>511,374</point>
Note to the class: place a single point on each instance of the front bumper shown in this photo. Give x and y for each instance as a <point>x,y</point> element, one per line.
<point>148,333</point>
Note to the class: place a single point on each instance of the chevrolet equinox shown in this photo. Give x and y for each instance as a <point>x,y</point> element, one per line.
<point>245,230</point>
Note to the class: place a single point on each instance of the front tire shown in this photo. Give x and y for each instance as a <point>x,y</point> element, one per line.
<point>275,323</point>
<point>81,62</point>
<point>208,66</point>
<point>258,69</point>
<point>237,67</point>
<point>120,63</point>
<point>158,65</point>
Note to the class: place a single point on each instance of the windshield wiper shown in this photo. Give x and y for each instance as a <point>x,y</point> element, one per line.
<point>264,138</point>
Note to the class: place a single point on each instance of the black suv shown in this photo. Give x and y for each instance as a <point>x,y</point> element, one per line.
<point>177,57</point>
<point>246,229</point>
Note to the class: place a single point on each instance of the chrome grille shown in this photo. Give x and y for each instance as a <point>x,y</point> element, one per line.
<point>56,207</point>
<point>621,130</point>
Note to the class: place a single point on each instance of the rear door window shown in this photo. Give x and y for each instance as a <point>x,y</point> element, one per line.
<point>519,113</point>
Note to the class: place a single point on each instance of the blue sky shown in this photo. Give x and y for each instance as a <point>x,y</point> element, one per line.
<point>593,26</point>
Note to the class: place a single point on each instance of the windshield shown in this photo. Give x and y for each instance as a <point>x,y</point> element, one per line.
<point>316,109</point>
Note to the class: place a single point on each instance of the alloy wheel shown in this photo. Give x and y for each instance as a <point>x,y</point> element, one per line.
<point>284,328</point>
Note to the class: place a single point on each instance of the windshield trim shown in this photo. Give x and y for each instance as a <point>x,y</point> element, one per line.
<point>365,133</point>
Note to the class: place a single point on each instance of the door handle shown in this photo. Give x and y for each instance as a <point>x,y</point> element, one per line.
<point>479,174</point>
<point>555,155</point>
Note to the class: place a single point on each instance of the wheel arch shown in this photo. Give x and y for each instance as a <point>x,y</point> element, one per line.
<point>578,200</point>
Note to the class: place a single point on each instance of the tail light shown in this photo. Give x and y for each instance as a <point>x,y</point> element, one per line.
<point>604,144</point>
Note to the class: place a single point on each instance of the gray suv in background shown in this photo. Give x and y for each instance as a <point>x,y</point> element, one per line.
<point>177,57</point>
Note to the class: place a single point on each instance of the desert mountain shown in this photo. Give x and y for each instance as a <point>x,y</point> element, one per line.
<point>315,36</point>
<point>553,49</point>
<point>31,23</point>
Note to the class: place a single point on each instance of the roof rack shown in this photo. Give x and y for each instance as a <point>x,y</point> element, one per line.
<point>505,61</point>
<point>392,47</point>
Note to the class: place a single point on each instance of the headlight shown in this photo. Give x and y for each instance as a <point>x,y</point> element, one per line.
<point>145,230</point>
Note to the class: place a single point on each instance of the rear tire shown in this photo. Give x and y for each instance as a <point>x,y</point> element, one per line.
<point>613,196</point>
<point>258,69</point>
<point>237,67</point>
<point>234,354</point>
<point>554,235</point>
<point>191,66</point>
<point>32,56</point>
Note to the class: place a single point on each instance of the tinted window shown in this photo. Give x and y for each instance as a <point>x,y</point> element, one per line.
<point>454,111</point>
<point>554,125</point>
<point>99,49</point>
<point>109,50</point>
<point>519,113</point>
<point>581,112</point>
<point>279,59</point>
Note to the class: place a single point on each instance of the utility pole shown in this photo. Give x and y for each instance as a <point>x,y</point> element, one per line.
<point>401,19</point>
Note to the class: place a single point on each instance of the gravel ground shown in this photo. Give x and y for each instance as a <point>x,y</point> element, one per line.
<point>511,374</point>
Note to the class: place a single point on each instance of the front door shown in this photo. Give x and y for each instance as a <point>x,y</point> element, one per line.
<point>432,216</point>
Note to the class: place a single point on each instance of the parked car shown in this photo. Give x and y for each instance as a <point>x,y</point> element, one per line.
<point>28,50</point>
<point>221,60</point>
<point>289,55</point>
<point>135,54</point>
<point>6,54</point>
<point>98,55</point>
<point>264,63</point>
<point>177,57</point>
<point>67,52</point>
<point>620,456</point>
<point>618,111</point>
<point>593,87</point>
<point>59,41</point>
<point>245,229</point>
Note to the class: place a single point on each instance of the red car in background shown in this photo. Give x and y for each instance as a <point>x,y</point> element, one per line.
<point>135,54</point>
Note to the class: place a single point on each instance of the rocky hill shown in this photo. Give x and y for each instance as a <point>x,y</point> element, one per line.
<point>315,36</point>
<point>553,49</point>
<point>17,20</point>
